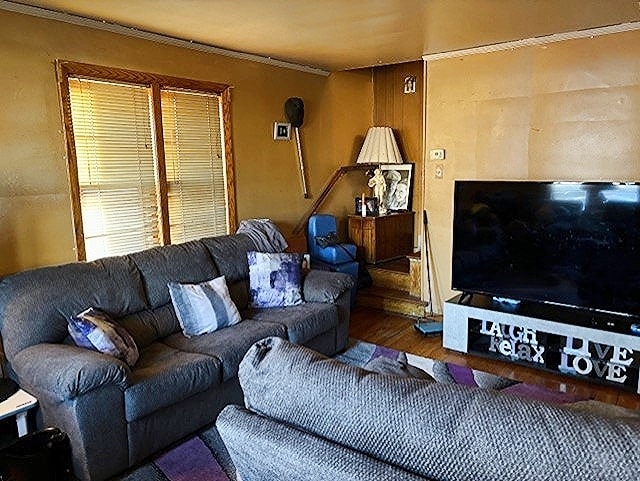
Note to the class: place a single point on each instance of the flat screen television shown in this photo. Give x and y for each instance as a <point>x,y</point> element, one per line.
<point>565,243</point>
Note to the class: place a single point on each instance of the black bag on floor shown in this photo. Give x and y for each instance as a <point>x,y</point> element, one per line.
<point>41,456</point>
<point>364,277</point>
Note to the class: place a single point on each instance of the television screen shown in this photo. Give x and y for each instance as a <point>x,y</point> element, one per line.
<point>574,244</point>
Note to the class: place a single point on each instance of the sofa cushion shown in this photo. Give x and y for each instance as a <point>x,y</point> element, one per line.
<point>230,255</point>
<point>228,345</point>
<point>93,329</point>
<point>239,291</point>
<point>189,262</point>
<point>164,376</point>
<point>45,298</point>
<point>274,279</point>
<point>204,307</point>
<point>151,324</point>
<point>302,322</point>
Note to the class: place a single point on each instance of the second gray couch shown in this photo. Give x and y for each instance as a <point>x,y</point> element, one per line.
<point>335,422</point>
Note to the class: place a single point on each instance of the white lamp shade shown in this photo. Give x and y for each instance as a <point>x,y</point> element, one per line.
<point>379,147</point>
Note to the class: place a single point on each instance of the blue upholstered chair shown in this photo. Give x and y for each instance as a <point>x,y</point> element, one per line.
<point>323,224</point>
<point>339,258</point>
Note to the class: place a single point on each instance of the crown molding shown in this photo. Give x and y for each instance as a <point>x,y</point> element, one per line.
<point>535,41</point>
<point>153,37</point>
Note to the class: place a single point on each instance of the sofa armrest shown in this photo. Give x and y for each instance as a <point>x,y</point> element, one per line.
<point>63,372</point>
<point>250,439</point>
<point>325,286</point>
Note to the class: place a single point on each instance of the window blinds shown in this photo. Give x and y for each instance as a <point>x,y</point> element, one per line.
<point>116,175</point>
<point>194,161</point>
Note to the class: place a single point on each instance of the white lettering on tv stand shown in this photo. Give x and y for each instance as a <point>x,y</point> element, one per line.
<point>576,357</point>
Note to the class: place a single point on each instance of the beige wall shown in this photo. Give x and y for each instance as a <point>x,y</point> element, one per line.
<point>35,213</point>
<point>564,111</point>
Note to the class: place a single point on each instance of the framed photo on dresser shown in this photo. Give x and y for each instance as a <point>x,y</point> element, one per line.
<point>399,192</point>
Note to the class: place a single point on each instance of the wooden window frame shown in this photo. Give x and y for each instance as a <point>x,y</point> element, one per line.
<point>157,82</point>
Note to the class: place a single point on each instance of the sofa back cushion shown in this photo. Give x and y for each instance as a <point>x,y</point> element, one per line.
<point>185,263</point>
<point>151,324</point>
<point>239,291</point>
<point>35,304</point>
<point>229,252</point>
<point>230,256</point>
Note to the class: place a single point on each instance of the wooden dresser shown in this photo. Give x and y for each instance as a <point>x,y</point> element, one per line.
<point>383,237</point>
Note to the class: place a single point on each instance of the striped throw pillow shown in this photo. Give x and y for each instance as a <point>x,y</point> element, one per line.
<point>205,307</point>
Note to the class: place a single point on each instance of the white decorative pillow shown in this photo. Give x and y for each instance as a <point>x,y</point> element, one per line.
<point>274,279</point>
<point>204,307</point>
<point>93,329</point>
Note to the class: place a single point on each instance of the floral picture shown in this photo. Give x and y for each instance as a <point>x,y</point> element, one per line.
<point>399,179</point>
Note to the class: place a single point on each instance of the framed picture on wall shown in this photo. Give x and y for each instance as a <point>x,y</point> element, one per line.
<point>399,179</point>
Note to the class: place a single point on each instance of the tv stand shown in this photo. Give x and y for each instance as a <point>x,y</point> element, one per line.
<point>465,298</point>
<point>575,342</point>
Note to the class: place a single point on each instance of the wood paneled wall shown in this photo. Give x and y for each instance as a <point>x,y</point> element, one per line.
<point>403,113</point>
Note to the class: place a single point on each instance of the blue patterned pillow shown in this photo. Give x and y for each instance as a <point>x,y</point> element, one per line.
<point>274,279</point>
<point>93,329</point>
<point>204,307</point>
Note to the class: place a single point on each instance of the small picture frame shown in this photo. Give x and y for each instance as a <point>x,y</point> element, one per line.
<point>399,191</point>
<point>370,202</point>
<point>410,84</point>
<point>281,131</point>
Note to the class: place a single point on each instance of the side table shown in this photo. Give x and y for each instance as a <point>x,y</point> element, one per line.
<point>382,237</point>
<point>17,405</point>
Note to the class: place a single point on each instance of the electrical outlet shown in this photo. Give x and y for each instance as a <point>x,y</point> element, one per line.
<point>436,154</point>
<point>439,171</point>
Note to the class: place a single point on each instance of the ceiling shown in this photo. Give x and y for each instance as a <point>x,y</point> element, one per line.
<point>345,34</point>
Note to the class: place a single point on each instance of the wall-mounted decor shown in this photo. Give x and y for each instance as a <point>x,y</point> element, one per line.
<point>294,110</point>
<point>410,84</point>
<point>399,186</point>
<point>281,131</point>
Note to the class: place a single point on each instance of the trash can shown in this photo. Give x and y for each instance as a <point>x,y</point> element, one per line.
<point>41,456</point>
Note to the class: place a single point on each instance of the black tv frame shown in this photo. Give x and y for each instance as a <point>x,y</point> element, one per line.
<point>594,315</point>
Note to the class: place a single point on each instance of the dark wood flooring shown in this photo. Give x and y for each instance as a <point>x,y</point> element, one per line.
<point>397,332</point>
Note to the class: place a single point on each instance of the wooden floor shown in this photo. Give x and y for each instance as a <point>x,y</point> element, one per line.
<point>397,332</point>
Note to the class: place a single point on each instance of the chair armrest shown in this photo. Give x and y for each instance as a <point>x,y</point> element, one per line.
<point>63,372</point>
<point>325,286</point>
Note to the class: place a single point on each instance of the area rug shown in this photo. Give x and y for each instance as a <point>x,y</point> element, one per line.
<point>204,457</point>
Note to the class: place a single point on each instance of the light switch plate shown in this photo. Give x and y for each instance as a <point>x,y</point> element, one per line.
<point>436,154</point>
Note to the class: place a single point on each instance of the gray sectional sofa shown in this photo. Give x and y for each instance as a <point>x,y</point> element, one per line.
<point>335,422</point>
<point>117,416</point>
